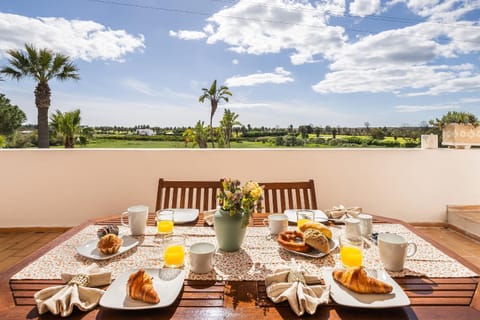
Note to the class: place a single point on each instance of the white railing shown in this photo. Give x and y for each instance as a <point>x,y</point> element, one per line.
<point>66,187</point>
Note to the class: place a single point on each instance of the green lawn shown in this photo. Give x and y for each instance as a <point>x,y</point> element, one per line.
<point>113,143</point>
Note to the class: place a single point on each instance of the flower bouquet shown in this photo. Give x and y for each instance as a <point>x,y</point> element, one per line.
<point>236,207</point>
<point>238,200</point>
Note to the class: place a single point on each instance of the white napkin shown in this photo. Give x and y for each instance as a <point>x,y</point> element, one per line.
<point>208,216</point>
<point>303,292</point>
<point>76,292</point>
<point>341,212</point>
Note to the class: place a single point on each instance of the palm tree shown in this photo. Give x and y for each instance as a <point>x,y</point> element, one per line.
<point>68,125</point>
<point>42,65</point>
<point>215,96</point>
<point>227,123</point>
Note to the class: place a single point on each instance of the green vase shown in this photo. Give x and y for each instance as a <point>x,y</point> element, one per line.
<point>229,230</point>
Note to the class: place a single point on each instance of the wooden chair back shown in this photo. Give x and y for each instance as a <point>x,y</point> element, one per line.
<point>201,195</point>
<point>280,196</point>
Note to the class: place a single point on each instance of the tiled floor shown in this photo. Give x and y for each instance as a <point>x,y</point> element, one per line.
<point>14,246</point>
<point>464,246</point>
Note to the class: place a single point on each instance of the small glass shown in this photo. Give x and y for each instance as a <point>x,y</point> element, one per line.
<point>164,221</point>
<point>174,251</point>
<point>351,251</point>
<point>304,216</point>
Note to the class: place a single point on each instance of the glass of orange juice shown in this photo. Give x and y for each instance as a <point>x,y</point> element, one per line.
<point>174,251</point>
<point>304,216</point>
<point>164,221</point>
<point>351,251</point>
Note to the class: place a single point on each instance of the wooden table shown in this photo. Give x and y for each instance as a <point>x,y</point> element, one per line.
<point>431,298</point>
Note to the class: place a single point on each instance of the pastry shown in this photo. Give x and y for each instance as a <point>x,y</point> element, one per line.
<point>356,279</point>
<point>109,244</point>
<point>293,240</point>
<point>111,228</point>
<point>316,240</point>
<point>140,287</point>
<point>317,226</point>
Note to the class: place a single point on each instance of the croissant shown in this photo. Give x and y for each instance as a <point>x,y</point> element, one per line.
<point>140,287</point>
<point>356,279</point>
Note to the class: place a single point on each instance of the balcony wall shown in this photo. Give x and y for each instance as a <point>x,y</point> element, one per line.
<point>66,187</point>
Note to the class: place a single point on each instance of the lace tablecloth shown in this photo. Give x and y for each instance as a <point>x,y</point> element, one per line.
<point>258,256</point>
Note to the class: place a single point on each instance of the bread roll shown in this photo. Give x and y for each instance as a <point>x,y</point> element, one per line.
<point>316,240</point>
<point>317,226</point>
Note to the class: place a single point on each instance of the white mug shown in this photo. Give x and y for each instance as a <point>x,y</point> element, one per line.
<point>393,250</point>
<point>137,219</point>
<point>202,257</point>
<point>365,224</point>
<point>277,222</point>
<point>352,228</point>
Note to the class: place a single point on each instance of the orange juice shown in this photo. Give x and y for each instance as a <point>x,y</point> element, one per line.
<point>174,256</point>
<point>165,226</point>
<point>302,221</point>
<point>351,256</point>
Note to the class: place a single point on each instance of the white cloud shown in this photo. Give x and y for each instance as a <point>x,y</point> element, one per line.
<point>248,105</point>
<point>401,61</point>
<point>235,61</point>
<point>444,11</point>
<point>272,26</point>
<point>279,76</point>
<point>421,108</point>
<point>188,35</point>
<point>138,86</point>
<point>469,100</point>
<point>364,8</point>
<point>79,39</point>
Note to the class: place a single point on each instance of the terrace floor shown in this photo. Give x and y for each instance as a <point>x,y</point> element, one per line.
<point>16,245</point>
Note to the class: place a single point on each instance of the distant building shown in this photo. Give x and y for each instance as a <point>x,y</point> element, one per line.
<point>145,132</point>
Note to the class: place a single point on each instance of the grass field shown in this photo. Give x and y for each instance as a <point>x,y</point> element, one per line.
<point>101,143</point>
<point>145,144</point>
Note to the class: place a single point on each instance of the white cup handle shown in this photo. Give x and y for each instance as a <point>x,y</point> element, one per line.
<point>121,218</point>
<point>265,222</point>
<point>413,249</point>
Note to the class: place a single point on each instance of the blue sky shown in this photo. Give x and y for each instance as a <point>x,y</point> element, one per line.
<point>333,62</point>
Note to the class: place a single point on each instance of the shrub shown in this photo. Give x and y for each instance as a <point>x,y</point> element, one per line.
<point>334,142</point>
<point>316,141</point>
<point>455,117</point>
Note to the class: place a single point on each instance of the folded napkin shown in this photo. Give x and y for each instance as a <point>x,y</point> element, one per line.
<point>340,212</point>
<point>208,216</point>
<point>76,292</point>
<point>303,292</point>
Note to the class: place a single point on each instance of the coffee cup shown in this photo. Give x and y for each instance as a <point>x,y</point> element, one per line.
<point>202,257</point>
<point>137,219</point>
<point>365,224</point>
<point>276,222</point>
<point>394,250</point>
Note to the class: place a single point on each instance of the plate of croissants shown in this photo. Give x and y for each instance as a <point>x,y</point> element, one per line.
<point>312,239</point>
<point>362,288</point>
<point>137,289</point>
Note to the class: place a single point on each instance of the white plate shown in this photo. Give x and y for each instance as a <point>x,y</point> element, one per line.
<point>90,250</point>
<point>184,215</point>
<point>320,216</point>
<point>346,297</point>
<point>167,282</point>
<point>315,253</point>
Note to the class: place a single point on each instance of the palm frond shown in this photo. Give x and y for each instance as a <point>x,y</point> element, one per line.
<point>12,73</point>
